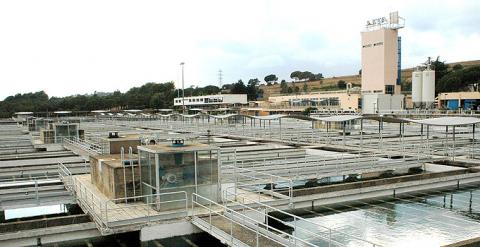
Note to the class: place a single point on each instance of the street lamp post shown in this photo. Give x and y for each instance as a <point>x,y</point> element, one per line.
<point>183,89</point>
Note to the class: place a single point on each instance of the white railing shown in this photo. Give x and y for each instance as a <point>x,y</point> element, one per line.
<point>108,213</point>
<point>299,224</point>
<point>251,181</point>
<point>65,175</point>
<point>262,232</point>
<point>89,147</point>
<point>255,218</point>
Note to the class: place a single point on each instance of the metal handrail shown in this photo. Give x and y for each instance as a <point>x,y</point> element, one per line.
<point>98,208</point>
<point>242,220</point>
<point>295,217</point>
<point>83,144</point>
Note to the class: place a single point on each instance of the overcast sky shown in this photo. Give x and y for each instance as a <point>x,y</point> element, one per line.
<point>76,47</point>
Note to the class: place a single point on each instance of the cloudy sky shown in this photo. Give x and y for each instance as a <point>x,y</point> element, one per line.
<point>76,47</point>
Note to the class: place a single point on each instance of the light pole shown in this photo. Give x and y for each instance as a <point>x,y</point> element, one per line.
<point>183,90</point>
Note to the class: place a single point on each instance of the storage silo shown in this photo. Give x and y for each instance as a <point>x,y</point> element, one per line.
<point>417,88</point>
<point>428,87</point>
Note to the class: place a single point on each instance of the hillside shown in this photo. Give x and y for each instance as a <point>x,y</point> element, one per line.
<point>330,83</point>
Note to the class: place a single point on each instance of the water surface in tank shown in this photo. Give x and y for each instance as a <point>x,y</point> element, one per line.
<point>420,220</point>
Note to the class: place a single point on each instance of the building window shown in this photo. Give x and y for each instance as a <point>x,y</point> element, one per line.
<point>389,89</point>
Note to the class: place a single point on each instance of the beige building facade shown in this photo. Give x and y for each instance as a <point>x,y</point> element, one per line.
<point>380,61</point>
<point>322,100</point>
<point>335,101</point>
<point>459,100</point>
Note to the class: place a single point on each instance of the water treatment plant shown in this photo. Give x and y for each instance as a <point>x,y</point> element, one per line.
<point>278,180</point>
<point>359,168</point>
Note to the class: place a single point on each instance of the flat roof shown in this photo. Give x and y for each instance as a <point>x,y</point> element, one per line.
<point>447,121</point>
<point>62,112</point>
<point>223,116</point>
<point>168,148</point>
<point>337,118</point>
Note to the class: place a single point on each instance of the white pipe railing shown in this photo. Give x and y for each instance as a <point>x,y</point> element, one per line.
<point>103,209</point>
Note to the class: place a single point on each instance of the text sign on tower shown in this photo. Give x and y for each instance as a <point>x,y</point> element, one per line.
<point>377,22</point>
<point>393,21</point>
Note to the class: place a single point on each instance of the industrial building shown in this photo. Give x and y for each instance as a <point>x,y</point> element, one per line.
<point>335,101</point>
<point>211,101</point>
<point>381,53</point>
<point>381,64</point>
<point>459,100</point>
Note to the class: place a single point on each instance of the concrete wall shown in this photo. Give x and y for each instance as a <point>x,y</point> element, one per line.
<point>109,178</point>
<point>116,144</point>
<point>378,103</point>
<point>50,235</point>
<point>43,223</point>
<point>168,230</point>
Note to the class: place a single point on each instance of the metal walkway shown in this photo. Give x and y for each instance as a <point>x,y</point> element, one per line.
<point>251,224</point>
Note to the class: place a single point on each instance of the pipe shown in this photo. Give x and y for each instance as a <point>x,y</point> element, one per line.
<point>130,154</point>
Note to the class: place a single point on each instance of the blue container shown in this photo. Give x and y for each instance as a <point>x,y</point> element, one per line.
<point>452,104</point>
<point>469,104</point>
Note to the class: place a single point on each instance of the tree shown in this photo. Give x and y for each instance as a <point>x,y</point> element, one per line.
<point>457,67</point>
<point>238,88</point>
<point>305,87</point>
<point>295,75</point>
<point>260,93</point>
<point>441,69</point>
<point>307,76</point>
<point>283,87</point>
<point>252,89</point>
<point>149,95</point>
<point>290,90</point>
<point>341,84</point>
<point>319,76</point>
<point>296,89</point>
<point>459,80</point>
<point>270,78</point>
<point>308,110</point>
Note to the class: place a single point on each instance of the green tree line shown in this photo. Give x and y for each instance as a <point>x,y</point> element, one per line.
<point>455,79</point>
<point>150,95</point>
